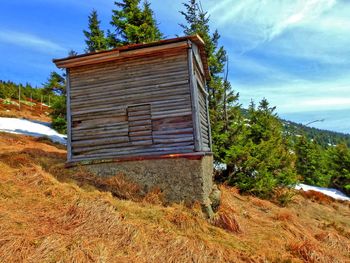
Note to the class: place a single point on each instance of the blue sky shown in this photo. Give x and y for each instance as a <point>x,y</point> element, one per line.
<point>295,53</point>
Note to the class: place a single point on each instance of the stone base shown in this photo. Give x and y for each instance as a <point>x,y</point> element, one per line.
<point>180,179</point>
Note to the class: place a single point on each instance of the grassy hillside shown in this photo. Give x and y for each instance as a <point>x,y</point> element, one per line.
<point>28,110</point>
<point>50,214</point>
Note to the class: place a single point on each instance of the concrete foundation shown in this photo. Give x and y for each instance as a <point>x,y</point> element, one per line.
<point>180,179</point>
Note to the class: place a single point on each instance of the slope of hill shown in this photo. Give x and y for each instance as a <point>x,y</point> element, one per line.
<point>28,110</point>
<point>50,214</point>
<point>32,128</point>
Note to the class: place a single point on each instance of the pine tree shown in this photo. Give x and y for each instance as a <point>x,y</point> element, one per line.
<point>56,84</point>
<point>95,37</point>
<point>223,102</point>
<point>310,163</point>
<point>339,167</point>
<point>133,24</point>
<point>260,156</point>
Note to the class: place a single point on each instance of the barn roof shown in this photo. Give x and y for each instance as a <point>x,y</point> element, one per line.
<point>133,50</point>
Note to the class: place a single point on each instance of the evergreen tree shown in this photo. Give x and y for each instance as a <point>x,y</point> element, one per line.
<point>72,53</point>
<point>260,156</point>
<point>133,24</point>
<point>223,102</point>
<point>56,84</point>
<point>95,37</point>
<point>339,167</point>
<point>310,162</point>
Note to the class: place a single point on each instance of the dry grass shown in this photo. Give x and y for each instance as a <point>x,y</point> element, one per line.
<point>51,214</point>
<point>225,217</point>
<point>318,197</point>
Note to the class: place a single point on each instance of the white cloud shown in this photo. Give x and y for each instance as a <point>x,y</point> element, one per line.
<point>270,18</point>
<point>29,40</point>
<point>328,102</point>
<point>300,95</point>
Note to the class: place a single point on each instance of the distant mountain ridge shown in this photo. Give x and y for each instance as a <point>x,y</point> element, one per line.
<point>323,137</point>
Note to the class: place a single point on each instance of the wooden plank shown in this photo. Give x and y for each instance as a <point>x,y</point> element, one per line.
<point>100,141</point>
<point>123,89</point>
<point>102,115</point>
<point>69,118</point>
<point>139,110</point>
<point>126,65</point>
<point>118,148</point>
<point>100,135</point>
<point>139,100</point>
<point>173,131</point>
<point>150,154</point>
<point>140,138</point>
<point>168,150</point>
<point>140,123</point>
<point>139,118</point>
<point>139,128</point>
<point>197,59</point>
<point>132,98</point>
<point>164,115</point>
<point>209,128</point>
<point>98,111</point>
<point>176,136</point>
<point>122,125</point>
<point>195,105</point>
<point>146,131</point>
<point>182,139</point>
<point>90,85</point>
<point>169,126</point>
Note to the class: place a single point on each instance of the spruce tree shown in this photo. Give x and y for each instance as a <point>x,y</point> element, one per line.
<point>339,167</point>
<point>260,155</point>
<point>310,162</point>
<point>223,102</point>
<point>56,84</point>
<point>133,24</point>
<point>95,37</point>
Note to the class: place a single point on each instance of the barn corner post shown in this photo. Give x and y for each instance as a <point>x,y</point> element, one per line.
<point>194,99</point>
<point>142,111</point>
<point>201,123</point>
<point>69,118</point>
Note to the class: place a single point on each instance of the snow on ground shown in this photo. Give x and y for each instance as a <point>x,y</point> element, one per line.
<point>336,194</point>
<point>31,128</point>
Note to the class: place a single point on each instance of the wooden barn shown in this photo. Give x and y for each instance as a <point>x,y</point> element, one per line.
<point>140,102</point>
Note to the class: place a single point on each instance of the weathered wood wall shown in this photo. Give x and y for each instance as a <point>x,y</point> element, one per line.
<point>131,107</point>
<point>146,103</point>
<point>203,111</point>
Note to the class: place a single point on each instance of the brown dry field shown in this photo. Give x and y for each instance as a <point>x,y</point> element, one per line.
<point>50,214</point>
<point>35,112</point>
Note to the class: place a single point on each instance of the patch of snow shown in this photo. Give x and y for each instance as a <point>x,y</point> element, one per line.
<point>220,166</point>
<point>31,128</point>
<point>336,194</point>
